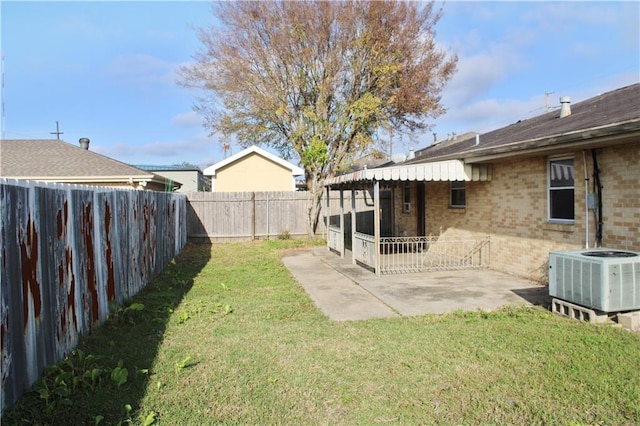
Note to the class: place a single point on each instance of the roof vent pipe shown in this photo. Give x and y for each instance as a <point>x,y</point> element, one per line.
<point>477,139</point>
<point>565,106</point>
<point>84,143</point>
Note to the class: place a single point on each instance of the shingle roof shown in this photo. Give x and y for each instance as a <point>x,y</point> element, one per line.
<point>49,158</point>
<point>295,170</point>
<point>613,108</point>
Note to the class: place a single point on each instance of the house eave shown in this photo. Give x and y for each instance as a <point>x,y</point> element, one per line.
<point>125,180</point>
<point>596,137</point>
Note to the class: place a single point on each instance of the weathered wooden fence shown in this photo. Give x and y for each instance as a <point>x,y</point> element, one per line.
<point>242,216</point>
<point>67,253</point>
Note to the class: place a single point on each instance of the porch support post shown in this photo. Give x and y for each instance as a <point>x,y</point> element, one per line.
<point>353,226</point>
<point>341,222</point>
<point>376,223</point>
<point>327,215</point>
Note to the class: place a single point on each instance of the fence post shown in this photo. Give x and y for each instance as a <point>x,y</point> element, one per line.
<point>376,223</point>
<point>353,226</point>
<point>253,219</point>
<point>268,216</point>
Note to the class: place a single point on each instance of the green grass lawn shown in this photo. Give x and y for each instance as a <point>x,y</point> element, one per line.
<point>226,336</point>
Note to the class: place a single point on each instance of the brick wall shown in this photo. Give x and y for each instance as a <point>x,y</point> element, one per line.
<point>620,176</point>
<point>512,209</point>
<point>405,223</point>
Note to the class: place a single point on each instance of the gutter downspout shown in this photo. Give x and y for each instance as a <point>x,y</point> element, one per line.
<point>597,187</point>
<point>586,200</point>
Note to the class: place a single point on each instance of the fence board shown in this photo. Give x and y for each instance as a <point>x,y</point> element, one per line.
<point>67,253</point>
<point>233,216</point>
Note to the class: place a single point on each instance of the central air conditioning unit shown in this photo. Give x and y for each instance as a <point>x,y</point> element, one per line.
<point>603,279</point>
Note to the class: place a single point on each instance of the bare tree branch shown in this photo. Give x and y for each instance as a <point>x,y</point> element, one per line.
<point>319,79</point>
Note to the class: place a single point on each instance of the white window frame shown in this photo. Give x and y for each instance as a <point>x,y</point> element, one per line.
<point>550,161</point>
<point>463,189</point>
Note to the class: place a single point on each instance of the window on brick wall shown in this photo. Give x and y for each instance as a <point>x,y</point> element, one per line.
<point>561,190</point>
<point>458,195</point>
<point>406,198</point>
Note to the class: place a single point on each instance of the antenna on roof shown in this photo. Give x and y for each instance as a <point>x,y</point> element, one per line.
<point>546,101</point>
<point>57,132</point>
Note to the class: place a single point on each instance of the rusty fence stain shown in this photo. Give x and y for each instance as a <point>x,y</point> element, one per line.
<point>68,253</point>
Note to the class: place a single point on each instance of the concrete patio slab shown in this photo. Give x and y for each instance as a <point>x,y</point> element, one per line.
<point>344,291</point>
<point>336,295</point>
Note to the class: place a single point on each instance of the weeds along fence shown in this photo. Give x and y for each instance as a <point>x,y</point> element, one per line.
<point>68,253</point>
<point>245,216</point>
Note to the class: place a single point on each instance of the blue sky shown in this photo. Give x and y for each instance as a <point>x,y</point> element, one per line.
<point>106,70</point>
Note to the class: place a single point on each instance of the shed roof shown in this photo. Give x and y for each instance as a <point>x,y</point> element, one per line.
<point>211,170</point>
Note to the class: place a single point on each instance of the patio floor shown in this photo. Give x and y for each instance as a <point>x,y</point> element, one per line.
<point>344,291</point>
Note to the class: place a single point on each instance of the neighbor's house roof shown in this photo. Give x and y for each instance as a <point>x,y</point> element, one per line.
<point>162,168</point>
<point>53,160</point>
<point>295,170</point>
<point>610,118</point>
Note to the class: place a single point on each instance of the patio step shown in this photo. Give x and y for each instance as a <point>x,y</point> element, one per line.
<point>580,313</point>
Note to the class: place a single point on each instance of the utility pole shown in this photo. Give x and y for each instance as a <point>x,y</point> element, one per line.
<point>3,119</point>
<point>57,132</point>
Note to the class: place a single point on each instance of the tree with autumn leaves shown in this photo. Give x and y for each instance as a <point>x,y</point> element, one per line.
<point>317,80</point>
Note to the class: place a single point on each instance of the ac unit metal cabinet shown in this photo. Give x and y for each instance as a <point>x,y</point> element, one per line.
<point>603,279</point>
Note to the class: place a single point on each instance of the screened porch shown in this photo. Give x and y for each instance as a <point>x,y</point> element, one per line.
<point>367,232</point>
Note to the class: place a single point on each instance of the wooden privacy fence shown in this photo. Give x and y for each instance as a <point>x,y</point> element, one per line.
<point>243,216</point>
<point>67,253</point>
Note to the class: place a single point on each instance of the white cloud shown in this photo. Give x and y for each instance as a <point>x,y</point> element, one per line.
<point>199,150</point>
<point>160,35</point>
<point>556,14</point>
<point>83,27</point>
<point>187,119</point>
<point>143,69</point>
<point>584,50</point>
<point>477,74</point>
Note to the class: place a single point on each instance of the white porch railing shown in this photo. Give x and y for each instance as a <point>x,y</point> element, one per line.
<point>417,254</point>
<point>335,240</point>
<point>364,249</point>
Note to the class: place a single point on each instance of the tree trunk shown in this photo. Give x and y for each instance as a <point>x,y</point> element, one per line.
<point>316,191</point>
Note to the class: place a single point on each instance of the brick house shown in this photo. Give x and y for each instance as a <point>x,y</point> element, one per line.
<point>562,180</point>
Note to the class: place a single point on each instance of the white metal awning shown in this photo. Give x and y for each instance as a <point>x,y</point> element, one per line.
<point>450,170</point>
